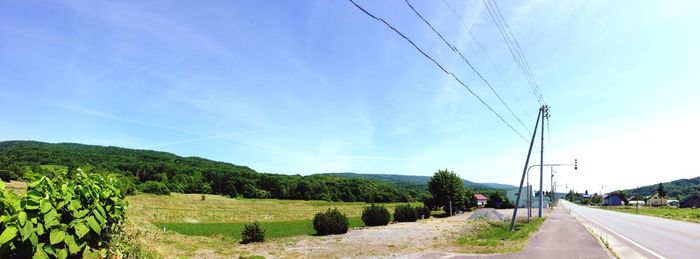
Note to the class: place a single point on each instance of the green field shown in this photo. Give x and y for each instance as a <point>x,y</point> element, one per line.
<point>215,222</point>
<point>685,214</point>
<point>496,237</point>
<point>233,230</point>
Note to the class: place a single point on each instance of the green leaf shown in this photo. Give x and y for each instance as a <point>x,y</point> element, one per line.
<point>75,205</point>
<point>8,234</point>
<point>39,229</point>
<point>34,239</point>
<point>100,219</point>
<point>50,250</point>
<point>81,214</point>
<point>37,182</point>
<point>73,248</point>
<point>101,210</point>
<point>27,230</point>
<point>94,225</point>
<point>62,253</point>
<point>45,206</point>
<point>56,236</point>
<point>81,229</point>
<point>50,219</point>
<point>22,217</point>
<point>40,254</point>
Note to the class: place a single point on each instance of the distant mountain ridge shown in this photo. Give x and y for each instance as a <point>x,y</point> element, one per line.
<point>416,179</point>
<point>680,188</point>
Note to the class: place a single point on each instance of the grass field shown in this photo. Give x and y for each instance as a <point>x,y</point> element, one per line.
<point>214,223</point>
<point>496,237</point>
<point>685,214</point>
<point>233,230</point>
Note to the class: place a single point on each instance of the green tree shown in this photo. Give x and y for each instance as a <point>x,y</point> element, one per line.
<point>446,187</point>
<point>661,190</point>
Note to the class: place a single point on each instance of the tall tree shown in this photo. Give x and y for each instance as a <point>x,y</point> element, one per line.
<point>661,190</point>
<point>446,187</point>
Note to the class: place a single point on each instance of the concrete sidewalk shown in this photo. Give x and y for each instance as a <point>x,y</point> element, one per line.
<point>561,236</point>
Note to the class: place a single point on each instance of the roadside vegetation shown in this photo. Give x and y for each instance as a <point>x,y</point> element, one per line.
<point>496,237</point>
<point>685,214</point>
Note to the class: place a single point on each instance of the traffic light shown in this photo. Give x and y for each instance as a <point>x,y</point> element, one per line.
<point>575,164</point>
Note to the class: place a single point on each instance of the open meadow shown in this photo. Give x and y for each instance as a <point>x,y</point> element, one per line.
<point>685,214</point>
<point>196,224</point>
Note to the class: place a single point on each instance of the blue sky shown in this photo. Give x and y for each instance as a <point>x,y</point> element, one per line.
<point>317,86</point>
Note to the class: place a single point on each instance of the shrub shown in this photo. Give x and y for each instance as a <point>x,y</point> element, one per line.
<point>61,217</point>
<point>252,233</point>
<point>423,212</point>
<point>375,216</point>
<point>331,222</point>
<point>405,213</point>
<point>154,187</point>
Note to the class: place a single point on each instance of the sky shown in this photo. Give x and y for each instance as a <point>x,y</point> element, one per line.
<point>303,87</point>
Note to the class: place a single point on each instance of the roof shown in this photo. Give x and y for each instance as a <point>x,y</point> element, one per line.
<point>479,196</point>
<point>605,196</point>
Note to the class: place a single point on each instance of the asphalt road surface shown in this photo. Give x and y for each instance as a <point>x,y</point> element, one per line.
<point>654,237</point>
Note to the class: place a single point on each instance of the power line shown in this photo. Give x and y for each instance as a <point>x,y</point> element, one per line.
<point>483,49</point>
<point>519,50</point>
<point>438,65</point>
<point>511,48</point>
<point>455,50</point>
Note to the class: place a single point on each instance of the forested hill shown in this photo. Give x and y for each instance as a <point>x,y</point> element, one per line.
<point>422,180</point>
<point>675,189</point>
<point>191,174</point>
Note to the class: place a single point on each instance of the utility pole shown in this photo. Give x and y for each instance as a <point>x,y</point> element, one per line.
<point>545,115</point>
<point>551,185</point>
<point>522,178</point>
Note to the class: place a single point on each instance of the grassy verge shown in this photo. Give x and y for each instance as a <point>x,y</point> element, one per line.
<point>496,237</point>
<point>233,230</point>
<point>685,214</point>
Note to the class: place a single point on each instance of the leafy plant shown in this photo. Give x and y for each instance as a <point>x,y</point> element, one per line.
<point>154,187</point>
<point>405,213</point>
<point>331,222</point>
<point>252,233</point>
<point>423,212</point>
<point>375,215</point>
<point>61,217</point>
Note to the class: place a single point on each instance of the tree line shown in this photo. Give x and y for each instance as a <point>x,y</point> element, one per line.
<point>193,174</point>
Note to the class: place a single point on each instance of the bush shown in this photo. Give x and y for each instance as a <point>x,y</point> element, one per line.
<point>61,217</point>
<point>252,233</point>
<point>154,187</point>
<point>375,216</point>
<point>423,211</point>
<point>331,222</point>
<point>405,213</point>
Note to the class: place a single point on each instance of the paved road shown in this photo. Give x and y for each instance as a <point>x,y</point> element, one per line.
<point>655,237</point>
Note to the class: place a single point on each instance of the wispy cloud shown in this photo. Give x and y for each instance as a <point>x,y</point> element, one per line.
<point>100,114</point>
<point>205,138</point>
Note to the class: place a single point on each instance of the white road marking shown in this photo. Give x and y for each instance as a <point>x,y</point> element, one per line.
<point>623,237</point>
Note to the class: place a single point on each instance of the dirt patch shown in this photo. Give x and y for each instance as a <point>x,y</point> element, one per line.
<point>434,234</point>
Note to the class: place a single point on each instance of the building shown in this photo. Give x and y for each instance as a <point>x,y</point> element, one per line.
<point>536,202</point>
<point>480,200</point>
<point>512,195</point>
<point>612,199</point>
<point>691,202</point>
<point>656,200</point>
